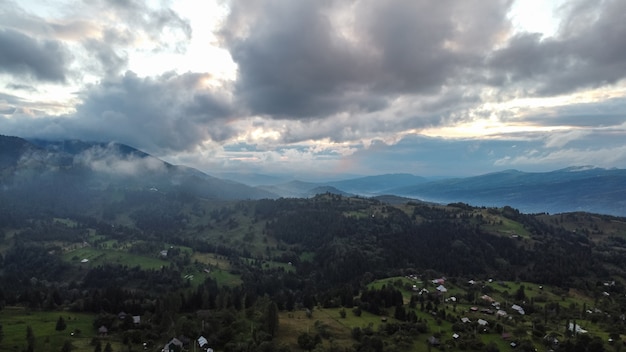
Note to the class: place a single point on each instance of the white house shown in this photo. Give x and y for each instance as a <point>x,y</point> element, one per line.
<point>576,329</point>
<point>519,309</point>
<point>202,341</point>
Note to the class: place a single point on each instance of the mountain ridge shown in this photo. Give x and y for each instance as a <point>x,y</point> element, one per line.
<point>97,165</point>
<point>67,172</point>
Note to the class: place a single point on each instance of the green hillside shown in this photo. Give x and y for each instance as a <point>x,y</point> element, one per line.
<point>327,273</point>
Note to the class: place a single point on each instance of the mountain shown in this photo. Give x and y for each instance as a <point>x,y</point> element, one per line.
<point>293,189</point>
<point>572,189</point>
<point>363,186</point>
<point>12,149</point>
<point>77,173</point>
<point>374,185</point>
<point>251,179</point>
<point>577,188</point>
<point>69,175</point>
<point>327,189</point>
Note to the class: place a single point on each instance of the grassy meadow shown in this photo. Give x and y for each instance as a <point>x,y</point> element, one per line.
<point>15,320</point>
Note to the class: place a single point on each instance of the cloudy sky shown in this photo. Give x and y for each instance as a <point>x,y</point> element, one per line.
<point>324,87</point>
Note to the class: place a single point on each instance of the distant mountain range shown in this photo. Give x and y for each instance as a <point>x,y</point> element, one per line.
<point>50,171</point>
<point>572,189</point>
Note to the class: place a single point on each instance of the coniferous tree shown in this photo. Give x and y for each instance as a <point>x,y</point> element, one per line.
<point>67,346</point>
<point>307,341</point>
<point>61,325</point>
<point>400,313</point>
<point>30,339</point>
<point>272,319</point>
<point>108,347</point>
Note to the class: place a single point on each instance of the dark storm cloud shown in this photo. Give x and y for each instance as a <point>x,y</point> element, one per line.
<point>588,51</point>
<point>21,55</point>
<point>297,60</point>
<point>422,45</point>
<point>168,112</point>
<point>291,64</point>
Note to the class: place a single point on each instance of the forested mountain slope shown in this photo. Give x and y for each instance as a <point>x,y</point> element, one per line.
<point>76,176</point>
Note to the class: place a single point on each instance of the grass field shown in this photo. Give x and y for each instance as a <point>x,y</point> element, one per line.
<point>15,321</point>
<point>225,278</point>
<point>292,324</point>
<point>109,256</point>
<point>503,226</point>
<point>212,260</point>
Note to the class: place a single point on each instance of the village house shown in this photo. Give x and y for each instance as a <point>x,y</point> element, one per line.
<point>576,329</point>
<point>439,281</point>
<point>487,298</point>
<point>204,344</point>
<point>518,309</point>
<point>173,345</point>
<point>433,341</point>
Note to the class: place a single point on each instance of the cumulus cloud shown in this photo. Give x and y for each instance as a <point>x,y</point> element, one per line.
<point>22,55</point>
<point>99,34</point>
<point>170,112</point>
<point>153,22</point>
<point>342,82</point>
<point>110,62</point>
<point>588,51</point>
<point>308,59</point>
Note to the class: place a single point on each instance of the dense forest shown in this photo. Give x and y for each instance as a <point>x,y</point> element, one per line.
<point>331,273</point>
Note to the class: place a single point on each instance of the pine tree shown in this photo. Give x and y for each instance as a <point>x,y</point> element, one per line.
<point>67,346</point>
<point>61,325</point>
<point>108,347</point>
<point>30,339</point>
<point>98,347</point>
<point>272,319</point>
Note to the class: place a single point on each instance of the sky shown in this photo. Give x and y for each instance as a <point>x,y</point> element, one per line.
<point>324,88</point>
